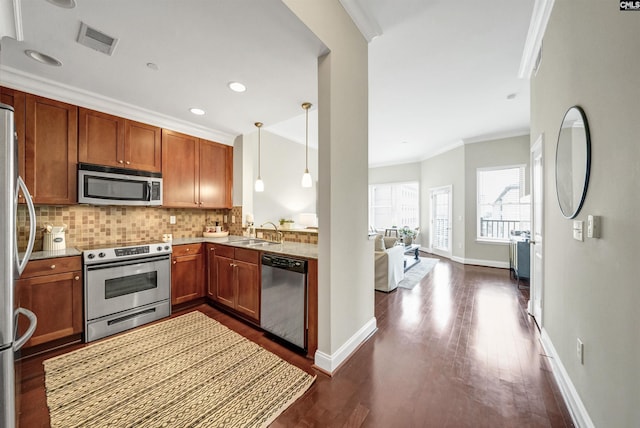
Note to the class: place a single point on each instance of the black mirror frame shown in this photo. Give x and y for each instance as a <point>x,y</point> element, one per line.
<point>588,162</point>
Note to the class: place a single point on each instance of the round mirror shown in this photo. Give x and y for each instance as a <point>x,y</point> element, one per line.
<point>573,160</point>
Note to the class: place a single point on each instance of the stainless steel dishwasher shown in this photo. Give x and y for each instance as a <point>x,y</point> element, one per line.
<point>283,309</point>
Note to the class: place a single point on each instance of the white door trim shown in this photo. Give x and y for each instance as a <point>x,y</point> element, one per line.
<point>537,233</point>
<point>432,191</point>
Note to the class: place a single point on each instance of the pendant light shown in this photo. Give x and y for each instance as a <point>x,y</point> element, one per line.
<point>306,177</point>
<point>259,186</point>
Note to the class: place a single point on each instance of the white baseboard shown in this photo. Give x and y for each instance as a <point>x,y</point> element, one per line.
<point>571,397</point>
<point>329,363</point>
<point>478,262</point>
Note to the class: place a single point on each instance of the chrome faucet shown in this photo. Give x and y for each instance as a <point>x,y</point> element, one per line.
<point>280,234</point>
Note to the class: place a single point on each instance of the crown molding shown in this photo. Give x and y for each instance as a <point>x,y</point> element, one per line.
<point>27,82</point>
<point>537,27</point>
<point>497,136</point>
<point>11,19</point>
<point>368,26</point>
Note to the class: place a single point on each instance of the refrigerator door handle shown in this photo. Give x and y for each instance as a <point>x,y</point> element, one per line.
<point>32,225</point>
<point>33,323</point>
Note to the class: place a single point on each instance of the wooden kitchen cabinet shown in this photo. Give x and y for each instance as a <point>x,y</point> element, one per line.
<point>237,282</point>
<point>215,174</point>
<point>17,99</point>
<point>52,290</point>
<point>109,140</point>
<point>51,150</point>
<point>186,273</point>
<point>196,173</point>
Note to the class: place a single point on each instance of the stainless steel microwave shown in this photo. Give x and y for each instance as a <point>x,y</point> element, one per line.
<point>103,185</point>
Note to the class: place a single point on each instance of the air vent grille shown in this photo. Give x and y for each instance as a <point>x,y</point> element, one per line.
<point>97,40</point>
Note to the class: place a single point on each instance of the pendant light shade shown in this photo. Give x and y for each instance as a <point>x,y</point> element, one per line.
<point>259,186</point>
<point>306,177</point>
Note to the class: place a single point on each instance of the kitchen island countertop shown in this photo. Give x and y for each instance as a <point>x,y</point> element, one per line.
<point>295,249</point>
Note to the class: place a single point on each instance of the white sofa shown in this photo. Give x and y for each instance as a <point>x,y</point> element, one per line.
<point>389,263</point>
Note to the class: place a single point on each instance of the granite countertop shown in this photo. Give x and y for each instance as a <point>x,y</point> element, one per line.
<point>42,255</point>
<point>295,249</point>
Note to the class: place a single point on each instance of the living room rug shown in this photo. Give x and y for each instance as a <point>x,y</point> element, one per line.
<point>414,275</point>
<point>188,371</point>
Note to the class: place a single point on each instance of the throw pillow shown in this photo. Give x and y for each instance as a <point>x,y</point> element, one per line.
<point>379,243</point>
<point>389,241</point>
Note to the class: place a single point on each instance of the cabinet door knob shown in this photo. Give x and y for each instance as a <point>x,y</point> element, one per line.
<point>128,163</point>
<point>174,262</point>
<point>120,161</point>
<point>53,266</point>
<point>211,249</point>
<point>188,249</point>
<point>77,278</point>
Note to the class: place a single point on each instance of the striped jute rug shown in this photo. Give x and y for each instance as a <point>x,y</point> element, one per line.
<point>189,371</point>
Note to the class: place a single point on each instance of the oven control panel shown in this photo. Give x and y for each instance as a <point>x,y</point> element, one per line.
<point>101,255</point>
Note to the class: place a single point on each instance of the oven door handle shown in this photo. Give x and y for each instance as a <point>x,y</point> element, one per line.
<point>131,262</point>
<point>148,191</point>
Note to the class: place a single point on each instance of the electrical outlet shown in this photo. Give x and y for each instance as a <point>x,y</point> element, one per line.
<point>233,219</point>
<point>580,351</point>
<point>172,219</point>
<point>260,235</point>
<point>224,219</point>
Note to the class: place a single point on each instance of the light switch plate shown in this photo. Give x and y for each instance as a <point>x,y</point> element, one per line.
<point>577,230</point>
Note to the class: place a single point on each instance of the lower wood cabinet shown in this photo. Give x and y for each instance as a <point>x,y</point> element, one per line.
<point>234,279</point>
<point>52,289</point>
<point>187,273</point>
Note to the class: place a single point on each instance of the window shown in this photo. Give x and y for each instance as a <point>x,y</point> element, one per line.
<point>502,204</point>
<point>395,204</point>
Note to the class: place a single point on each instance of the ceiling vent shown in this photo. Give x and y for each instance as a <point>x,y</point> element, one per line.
<point>94,39</point>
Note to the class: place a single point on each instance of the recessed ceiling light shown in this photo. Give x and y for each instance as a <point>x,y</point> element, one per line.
<point>153,66</point>
<point>237,87</point>
<point>42,58</point>
<point>67,4</point>
<point>511,96</point>
<point>197,111</point>
<point>404,142</point>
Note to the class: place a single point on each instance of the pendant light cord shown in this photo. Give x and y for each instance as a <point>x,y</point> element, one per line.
<point>306,107</point>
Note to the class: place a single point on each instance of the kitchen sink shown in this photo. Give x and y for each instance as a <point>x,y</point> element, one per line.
<point>256,243</point>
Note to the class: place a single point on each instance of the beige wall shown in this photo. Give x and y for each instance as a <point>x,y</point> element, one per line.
<point>346,294</point>
<point>504,152</point>
<point>395,173</point>
<point>591,290</point>
<point>281,167</point>
<point>443,170</point>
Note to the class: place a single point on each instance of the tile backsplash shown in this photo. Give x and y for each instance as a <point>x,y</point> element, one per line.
<point>93,225</point>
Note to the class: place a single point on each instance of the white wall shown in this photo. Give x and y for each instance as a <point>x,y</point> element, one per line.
<point>590,58</point>
<point>345,263</point>
<point>282,165</point>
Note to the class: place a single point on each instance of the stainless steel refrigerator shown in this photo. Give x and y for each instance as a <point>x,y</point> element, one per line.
<point>11,266</point>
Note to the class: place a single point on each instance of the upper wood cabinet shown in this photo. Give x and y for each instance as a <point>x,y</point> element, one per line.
<point>16,99</point>
<point>196,173</point>
<point>216,174</point>
<point>109,140</point>
<point>51,150</point>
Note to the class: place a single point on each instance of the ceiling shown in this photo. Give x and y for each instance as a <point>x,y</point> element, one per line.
<point>440,72</point>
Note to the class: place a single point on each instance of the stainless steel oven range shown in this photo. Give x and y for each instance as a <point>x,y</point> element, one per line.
<point>125,287</point>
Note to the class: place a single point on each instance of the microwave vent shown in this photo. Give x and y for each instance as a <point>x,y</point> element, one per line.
<point>97,40</point>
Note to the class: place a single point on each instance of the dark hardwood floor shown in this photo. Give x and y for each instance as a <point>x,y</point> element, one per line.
<point>459,350</point>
